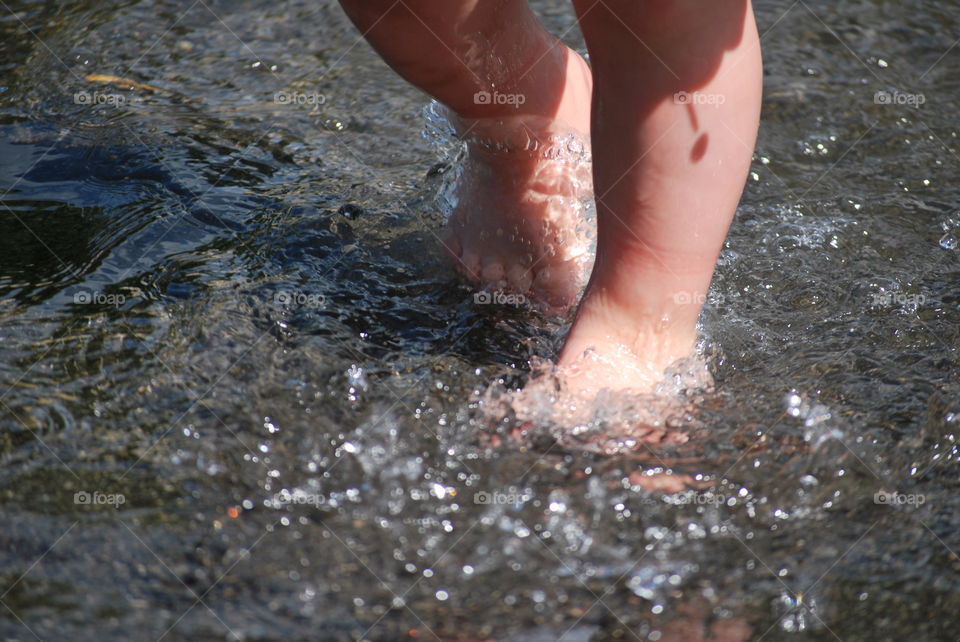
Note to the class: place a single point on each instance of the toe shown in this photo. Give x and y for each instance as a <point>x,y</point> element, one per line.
<point>555,285</point>
<point>493,271</point>
<point>520,278</point>
<point>469,264</point>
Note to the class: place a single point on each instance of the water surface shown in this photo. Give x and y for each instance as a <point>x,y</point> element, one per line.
<point>232,312</point>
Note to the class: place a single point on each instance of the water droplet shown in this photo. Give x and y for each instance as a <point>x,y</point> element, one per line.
<point>948,241</point>
<point>793,404</point>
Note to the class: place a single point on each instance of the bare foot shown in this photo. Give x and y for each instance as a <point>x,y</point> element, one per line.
<point>518,224</point>
<point>583,409</point>
<point>623,347</point>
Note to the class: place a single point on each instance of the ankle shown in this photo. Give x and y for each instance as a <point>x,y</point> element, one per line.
<point>643,323</point>
<point>522,137</point>
<point>551,82</point>
<point>654,326</point>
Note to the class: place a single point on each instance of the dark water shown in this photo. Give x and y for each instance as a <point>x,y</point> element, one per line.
<point>279,387</point>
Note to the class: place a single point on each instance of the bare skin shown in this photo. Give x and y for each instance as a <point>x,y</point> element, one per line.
<point>672,108</point>
<point>669,178</point>
<point>528,237</point>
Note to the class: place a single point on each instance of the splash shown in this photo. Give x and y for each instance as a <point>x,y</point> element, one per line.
<point>611,421</point>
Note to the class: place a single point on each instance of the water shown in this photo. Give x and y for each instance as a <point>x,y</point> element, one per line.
<point>226,320</point>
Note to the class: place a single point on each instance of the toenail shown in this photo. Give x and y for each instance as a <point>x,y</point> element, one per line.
<point>493,272</point>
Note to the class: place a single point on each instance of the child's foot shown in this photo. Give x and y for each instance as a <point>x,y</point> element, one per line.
<point>604,349</point>
<point>518,223</point>
<point>633,324</point>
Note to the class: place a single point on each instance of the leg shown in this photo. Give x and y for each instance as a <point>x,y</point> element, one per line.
<point>508,81</point>
<point>456,48</point>
<point>675,113</point>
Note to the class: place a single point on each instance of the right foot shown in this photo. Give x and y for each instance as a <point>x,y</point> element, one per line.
<point>518,224</point>
<point>620,344</point>
<point>636,320</point>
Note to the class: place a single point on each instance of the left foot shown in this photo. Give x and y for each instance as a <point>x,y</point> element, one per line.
<point>518,223</point>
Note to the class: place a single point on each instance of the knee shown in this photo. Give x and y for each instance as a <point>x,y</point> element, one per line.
<point>674,44</point>
<point>661,21</point>
<point>365,13</point>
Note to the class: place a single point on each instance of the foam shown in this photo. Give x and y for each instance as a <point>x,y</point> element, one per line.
<point>609,421</point>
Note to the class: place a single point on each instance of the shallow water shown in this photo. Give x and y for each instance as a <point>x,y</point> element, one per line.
<point>233,313</point>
